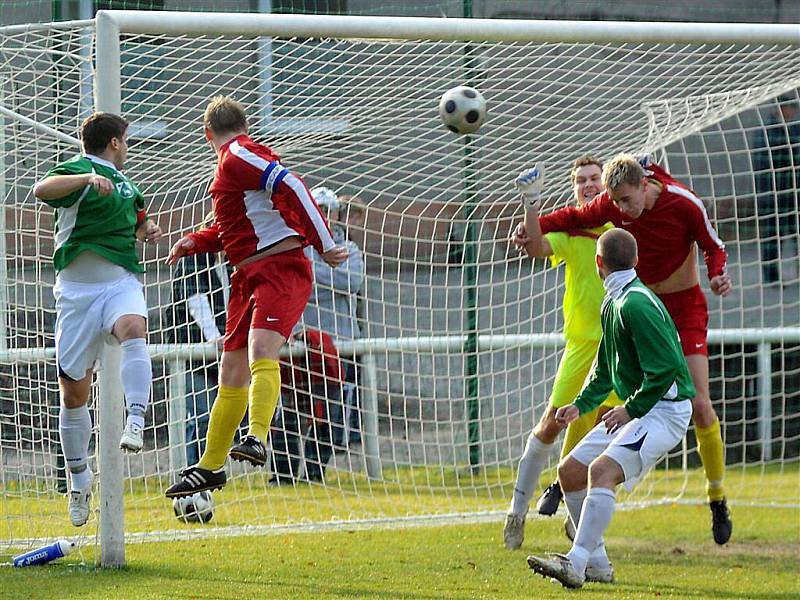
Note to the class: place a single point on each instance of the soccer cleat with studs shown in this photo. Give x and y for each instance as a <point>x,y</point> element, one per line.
<point>250,449</point>
<point>514,531</point>
<point>600,574</point>
<point>721,524</point>
<point>550,499</point>
<point>131,440</point>
<point>78,505</point>
<point>196,479</point>
<point>559,567</point>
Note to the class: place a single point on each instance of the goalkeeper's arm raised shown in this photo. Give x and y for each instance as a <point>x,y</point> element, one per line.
<point>528,234</point>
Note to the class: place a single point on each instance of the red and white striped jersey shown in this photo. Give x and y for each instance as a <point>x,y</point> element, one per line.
<point>665,234</point>
<point>258,203</point>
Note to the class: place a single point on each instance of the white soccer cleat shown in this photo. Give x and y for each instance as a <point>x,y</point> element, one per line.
<point>514,531</point>
<point>131,440</point>
<point>78,505</point>
<point>559,568</point>
<point>600,574</point>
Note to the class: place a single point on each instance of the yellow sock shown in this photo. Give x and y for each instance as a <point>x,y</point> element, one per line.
<point>577,430</point>
<point>712,453</point>
<point>265,386</point>
<point>226,415</point>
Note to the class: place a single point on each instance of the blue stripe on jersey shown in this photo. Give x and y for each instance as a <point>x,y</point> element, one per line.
<point>267,172</point>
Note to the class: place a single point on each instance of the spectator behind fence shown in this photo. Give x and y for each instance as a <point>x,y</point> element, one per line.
<point>776,164</point>
<point>353,212</point>
<point>310,404</point>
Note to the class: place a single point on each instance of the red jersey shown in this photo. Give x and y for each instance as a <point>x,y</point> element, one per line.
<point>258,203</point>
<point>665,233</point>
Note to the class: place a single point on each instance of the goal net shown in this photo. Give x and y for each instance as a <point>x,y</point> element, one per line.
<point>459,335</point>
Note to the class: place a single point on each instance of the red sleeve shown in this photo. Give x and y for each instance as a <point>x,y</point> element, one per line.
<point>206,240</point>
<point>593,214</point>
<point>141,217</point>
<point>714,253</point>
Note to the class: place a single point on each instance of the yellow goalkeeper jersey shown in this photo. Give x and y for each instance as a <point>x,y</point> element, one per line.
<point>583,288</point>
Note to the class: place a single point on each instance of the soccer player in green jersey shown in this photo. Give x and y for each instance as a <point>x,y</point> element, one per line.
<point>583,293</point>
<point>100,214</point>
<point>640,357</point>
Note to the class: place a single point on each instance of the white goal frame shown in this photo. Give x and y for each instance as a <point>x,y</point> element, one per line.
<point>110,25</point>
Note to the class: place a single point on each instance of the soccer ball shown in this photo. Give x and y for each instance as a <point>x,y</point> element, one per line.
<point>462,109</point>
<point>197,508</point>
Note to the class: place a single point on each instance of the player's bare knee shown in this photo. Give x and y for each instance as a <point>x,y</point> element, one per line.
<point>234,368</point>
<point>130,327</point>
<point>547,429</point>
<point>605,472</point>
<point>572,475</point>
<point>264,343</point>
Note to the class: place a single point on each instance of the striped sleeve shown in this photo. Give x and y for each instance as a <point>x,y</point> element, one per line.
<point>316,228</point>
<point>714,254</point>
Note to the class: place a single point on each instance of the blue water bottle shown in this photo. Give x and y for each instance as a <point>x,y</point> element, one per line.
<point>44,554</point>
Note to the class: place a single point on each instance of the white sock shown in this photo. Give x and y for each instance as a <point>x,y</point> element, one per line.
<point>598,507</point>
<point>530,468</point>
<point>75,428</point>
<point>136,371</point>
<point>574,501</point>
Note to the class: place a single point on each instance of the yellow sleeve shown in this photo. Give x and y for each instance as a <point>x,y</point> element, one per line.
<point>559,244</point>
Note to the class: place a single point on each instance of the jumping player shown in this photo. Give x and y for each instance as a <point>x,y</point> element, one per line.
<point>263,218</point>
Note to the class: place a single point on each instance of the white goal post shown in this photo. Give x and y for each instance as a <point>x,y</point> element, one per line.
<point>461,339</point>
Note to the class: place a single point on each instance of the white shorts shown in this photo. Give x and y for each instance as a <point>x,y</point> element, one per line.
<point>638,445</point>
<point>85,316</point>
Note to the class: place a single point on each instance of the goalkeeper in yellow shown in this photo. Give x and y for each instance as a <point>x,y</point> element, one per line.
<point>583,294</point>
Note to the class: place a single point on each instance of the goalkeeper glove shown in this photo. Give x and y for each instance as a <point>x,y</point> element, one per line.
<point>529,185</point>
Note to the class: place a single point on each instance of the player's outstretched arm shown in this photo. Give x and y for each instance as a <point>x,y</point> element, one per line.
<point>58,186</point>
<point>183,247</point>
<point>528,236</point>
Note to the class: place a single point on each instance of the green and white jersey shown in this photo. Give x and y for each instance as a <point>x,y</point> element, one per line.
<point>85,220</point>
<point>640,355</point>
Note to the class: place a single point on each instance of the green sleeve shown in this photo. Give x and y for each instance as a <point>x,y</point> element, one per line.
<point>70,167</point>
<point>560,247</point>
<point>648,325</point>
<point>138,200</point>
<point>599,385</point>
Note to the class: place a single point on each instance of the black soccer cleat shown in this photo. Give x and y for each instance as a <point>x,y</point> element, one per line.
<point>196,479</point>
<point>250,449</point>
<point>721,524</point>
<point>550,499</point>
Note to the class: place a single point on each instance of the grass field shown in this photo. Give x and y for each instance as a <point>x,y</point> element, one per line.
<point>660,551</point>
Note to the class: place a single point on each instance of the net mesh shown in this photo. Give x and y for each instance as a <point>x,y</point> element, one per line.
<point>445,404</point>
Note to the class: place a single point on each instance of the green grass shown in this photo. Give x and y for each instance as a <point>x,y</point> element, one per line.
<point>663,551</point>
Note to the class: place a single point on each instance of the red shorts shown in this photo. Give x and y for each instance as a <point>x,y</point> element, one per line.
<point>269,293</point>
<point>689,309</point>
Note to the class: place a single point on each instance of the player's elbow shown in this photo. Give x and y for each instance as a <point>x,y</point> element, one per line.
<point>40,191</point>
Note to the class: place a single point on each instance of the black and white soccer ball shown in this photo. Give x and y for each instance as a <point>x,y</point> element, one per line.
<point>462,109</point>
<point>197,508</point>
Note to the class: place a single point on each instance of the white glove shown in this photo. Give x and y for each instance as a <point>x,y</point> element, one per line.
<point>529,185</point>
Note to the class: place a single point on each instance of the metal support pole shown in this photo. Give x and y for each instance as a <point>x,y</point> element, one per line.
<point>112,513</point>
<point>369,418</point>
<point>176,383</point>
<point>765,399</point>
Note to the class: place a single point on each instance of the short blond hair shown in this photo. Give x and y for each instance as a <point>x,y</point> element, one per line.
<point>224,115</point>
<point>623,168</point>
<point>585,160</point>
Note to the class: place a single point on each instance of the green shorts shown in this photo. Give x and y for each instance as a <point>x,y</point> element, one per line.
<point>573,370</point>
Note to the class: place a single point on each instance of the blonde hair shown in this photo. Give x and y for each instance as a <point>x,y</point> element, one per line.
<point>623,168</point>
<point>584,161</point>
<point>224,115</point>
